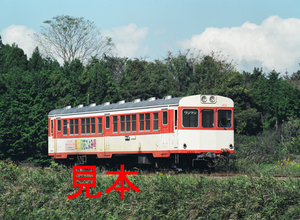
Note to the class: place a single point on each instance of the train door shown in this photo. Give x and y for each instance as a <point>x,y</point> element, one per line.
<point>107,136</point>
<point>51,138</point>
<point>175,133</point>
<point>165,135</point>
<point>56,134</point>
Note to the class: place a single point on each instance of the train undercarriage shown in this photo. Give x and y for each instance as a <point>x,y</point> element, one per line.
<point>204,162</point>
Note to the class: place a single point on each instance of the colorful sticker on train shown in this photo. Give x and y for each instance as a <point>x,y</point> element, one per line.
<point>80,145</point>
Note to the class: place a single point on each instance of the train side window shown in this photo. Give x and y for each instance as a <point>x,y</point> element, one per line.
<point>175,119</point>
<point>190,118</point>
<point>133,123</point>
<point>127,123</point>
<point>224,118</point>
<point>107,122</point>
<point>65,127</point>
<point>142,122</point>
<point>71,127</point>
<point>83,126</point>
<point>76,126</point>
<point>51,131</point>
<point>100,125</point>
<point>147,120</point>
<point>93,125</point>
<point>58,125</point>
<point>122,121</point>
<point>87,125</point>
<point>208,118</point>
<point>155,121</point>
<point>115,124</point>
<point>165,117</point>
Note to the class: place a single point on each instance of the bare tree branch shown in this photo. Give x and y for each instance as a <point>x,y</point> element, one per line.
<point>70,38</point>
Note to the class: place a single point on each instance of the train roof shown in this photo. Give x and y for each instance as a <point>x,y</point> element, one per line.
<point>193,101</point>
<point>122,105</point>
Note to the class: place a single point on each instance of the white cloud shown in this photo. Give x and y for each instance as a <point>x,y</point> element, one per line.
<point>128,40</point>
<point>20,35</point>
<point>160,31</point>
<point>274,44</point>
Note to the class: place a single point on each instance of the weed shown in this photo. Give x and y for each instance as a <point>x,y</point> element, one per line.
<point>38,193</point>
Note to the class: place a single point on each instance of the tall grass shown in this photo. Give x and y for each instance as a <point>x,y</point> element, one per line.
<point>256,154</point>
<point>36,193</point>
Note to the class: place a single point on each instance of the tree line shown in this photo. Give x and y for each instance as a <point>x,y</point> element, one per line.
<point>31,88</point>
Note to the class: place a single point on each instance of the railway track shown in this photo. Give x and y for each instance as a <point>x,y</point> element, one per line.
<point>210,176</point>
<point>215,175</point>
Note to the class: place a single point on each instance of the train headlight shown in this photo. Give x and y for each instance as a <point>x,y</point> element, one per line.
<point>203,99</point>
<point>230,146</point>
<point>212,99</point>
<point>208,99</point>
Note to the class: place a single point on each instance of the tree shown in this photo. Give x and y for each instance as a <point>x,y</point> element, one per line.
<point>102,86</point>
<point>181,69</point>
<point>1,44</point>
<point>12,57</point>
<point>69,38</point>
<point>36,62</point>
<point>277,100</point>
<point>116,65</point>
<point>135,82</point>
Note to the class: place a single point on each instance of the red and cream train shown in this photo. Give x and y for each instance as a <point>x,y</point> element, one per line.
<point>176,131</point>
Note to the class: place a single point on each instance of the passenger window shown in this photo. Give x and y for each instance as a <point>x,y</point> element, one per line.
<point>224,118</point>
<point>127,123</point>
<point>83,126</point>
<point>71,127</point>
<point>208,118</point>
<point>155,121</point>
<point>99,125</point>
<point>147,120</point>
<point>65,127</point>
<point>88,131</point>
<point>175,119</point>
<point>115,124</point>
<point>93,125</point>
<point>142,122</point>
<point>76,126</point>
<point>190,118</point>
<point>107,122</point>
<point>165,117</point>
<point>51,131</point>
<point>133,125</point>
<point>58,125</point>
<point>122,121</point>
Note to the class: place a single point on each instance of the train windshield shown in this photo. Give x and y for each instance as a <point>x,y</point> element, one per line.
<point>190,118</point>
<point>224,118</point>
<point>208,118</point>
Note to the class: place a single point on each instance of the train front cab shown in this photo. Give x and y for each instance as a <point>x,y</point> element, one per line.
<point>206,126</point>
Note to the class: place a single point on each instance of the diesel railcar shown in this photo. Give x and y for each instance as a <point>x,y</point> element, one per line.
<point>177,132</point>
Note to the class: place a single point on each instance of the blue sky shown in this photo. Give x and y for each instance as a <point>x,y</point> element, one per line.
<point>253,33</point>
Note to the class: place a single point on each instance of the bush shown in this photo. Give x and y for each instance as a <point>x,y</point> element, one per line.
<point>39,193</point>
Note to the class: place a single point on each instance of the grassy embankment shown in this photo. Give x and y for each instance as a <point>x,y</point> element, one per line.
<point>271,152</point>
<point>28,192</point>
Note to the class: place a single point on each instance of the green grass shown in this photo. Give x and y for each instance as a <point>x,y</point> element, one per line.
<point>285,166</point>
<point>28,192</point>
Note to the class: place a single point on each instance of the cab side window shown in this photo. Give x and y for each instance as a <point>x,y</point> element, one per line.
<point>224,118</point>
<point>207,118</point>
